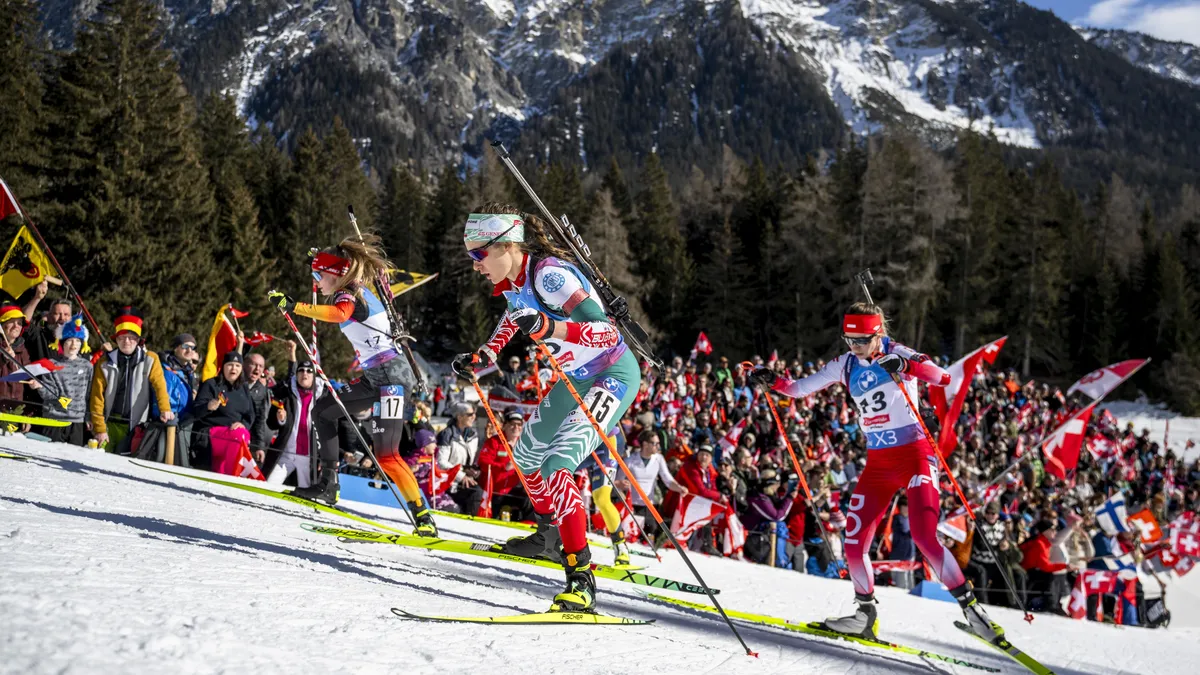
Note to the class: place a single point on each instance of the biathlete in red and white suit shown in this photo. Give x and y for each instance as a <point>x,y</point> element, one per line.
<point>899,455</point>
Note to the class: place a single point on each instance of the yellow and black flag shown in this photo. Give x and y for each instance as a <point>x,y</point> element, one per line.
<point>403,282</point>
<point>25,265</point>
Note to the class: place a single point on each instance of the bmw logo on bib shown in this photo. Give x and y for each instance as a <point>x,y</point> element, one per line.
<point>866,379</point>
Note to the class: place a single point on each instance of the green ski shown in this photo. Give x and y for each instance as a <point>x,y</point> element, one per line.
<point>534,619</point>
<point>39,421</point>
<point>815,630</point>
<point>495,551</point>
<point>1005,647</point>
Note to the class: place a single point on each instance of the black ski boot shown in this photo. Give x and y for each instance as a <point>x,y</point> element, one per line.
<point>544,543</point>
<point>424,519</point>
<point>580,593</point>
<point>976,617</point>
<point>864,622</point>
<point>325,489</point>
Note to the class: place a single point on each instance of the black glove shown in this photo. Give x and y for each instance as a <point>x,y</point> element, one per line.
<point>893,363</point>
<point>281,300</point>
<point>764,376</point>
<point>533,323</point>
<point>463,365</point>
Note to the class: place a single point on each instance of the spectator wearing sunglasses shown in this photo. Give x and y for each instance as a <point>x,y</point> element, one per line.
<point>290,415</point>
<point>181,360</point>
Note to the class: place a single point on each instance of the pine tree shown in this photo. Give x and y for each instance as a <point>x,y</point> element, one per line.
<point>23,146</point>
<point>659,247</point>
<point>402,219</point>
<point>447,213</point>
<point>608,240</point>
<point>347,183</point>
<point>310,210</point>
<point>131,203</point>
<point>250,272</point>
<point>614,183</point>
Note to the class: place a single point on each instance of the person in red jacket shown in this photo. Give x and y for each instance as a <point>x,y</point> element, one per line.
<point>1037,563</point>
<point>494,461</point>
<point>700,478</point>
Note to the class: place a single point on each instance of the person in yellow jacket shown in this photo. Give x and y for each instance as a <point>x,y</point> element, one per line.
<point>122,383</point>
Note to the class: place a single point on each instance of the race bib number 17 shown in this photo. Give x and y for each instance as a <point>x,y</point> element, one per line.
<point>391,402</point>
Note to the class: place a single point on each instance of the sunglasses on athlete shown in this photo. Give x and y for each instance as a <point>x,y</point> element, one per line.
<point>860,342</point>
<point>478,254</point>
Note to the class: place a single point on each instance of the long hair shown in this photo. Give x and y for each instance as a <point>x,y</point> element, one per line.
<point>367,261</point>
<point>868,308</point>
<point>538,242</point>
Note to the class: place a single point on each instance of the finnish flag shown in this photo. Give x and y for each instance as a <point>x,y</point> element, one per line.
<point>1111,515</point>
<point>1124,566</point>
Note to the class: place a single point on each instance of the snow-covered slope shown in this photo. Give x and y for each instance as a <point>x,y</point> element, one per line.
<point>1174,60</point>
<point>1167,428</point>
<point>107,567</point>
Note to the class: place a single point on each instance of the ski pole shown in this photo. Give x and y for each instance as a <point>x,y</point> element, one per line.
<point>962,497</point>
<point>812,507</point>
<point>508,447</point>
<point>354,425</point>
<point>612,450</point>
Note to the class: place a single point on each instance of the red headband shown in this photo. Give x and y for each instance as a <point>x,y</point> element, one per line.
<point>867,324</point>
<point>333,264</point>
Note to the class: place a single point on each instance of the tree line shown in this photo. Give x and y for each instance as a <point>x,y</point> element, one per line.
<point>151,198</point>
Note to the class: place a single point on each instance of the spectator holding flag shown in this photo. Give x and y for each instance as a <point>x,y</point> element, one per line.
<point>70,382</point>
<point>12,324</point>
<point>291,416</point>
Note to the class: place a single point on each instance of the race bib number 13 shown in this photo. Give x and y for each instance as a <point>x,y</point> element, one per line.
<point>391,402</point>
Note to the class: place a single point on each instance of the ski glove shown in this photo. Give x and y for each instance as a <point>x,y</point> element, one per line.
<point>533,323</point>
<point>281,300</point>
<point>893,363</point>
<point>463,365</point>
<point>764,376</point>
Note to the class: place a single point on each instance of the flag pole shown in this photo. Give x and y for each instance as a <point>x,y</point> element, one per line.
<point>49,253</point>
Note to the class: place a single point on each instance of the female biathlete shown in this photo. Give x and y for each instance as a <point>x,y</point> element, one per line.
<point>898,456</point>
<point>551,301</point>
<point>345,273</point>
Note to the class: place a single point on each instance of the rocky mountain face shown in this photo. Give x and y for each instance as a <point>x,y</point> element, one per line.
<point>427,81</point>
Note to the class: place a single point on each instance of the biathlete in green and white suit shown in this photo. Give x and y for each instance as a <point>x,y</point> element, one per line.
<point>550,300</point>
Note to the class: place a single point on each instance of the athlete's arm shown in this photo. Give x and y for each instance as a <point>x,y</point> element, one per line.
<point>341,309</point>
<point>500,337</point>
<point>826,377</point>
<point>922,367</point>
<point>589,325</point>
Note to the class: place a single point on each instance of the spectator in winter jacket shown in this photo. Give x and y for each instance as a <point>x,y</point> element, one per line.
<point>12,324</point>
<point>123,383</point>
<point>179,359</point>
<point>224,412</point>
<point>256,385</point>
<point>495,463</point>
<point>1036,562</point>
<point>41,338</point>
<point>992,529</point>
<point>458,445</point>
<point>69,384</point>
<point>699,477</point>
<point>290,414</point>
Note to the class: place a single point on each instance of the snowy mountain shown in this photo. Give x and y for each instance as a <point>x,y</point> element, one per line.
<point>426,80</point>
<point>109,567</point>
<point>1175,60</point>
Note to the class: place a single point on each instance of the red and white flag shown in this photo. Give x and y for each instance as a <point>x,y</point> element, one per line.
<point>442,480</point>
<point>1099,582</point>
<point>36,369</point>
<point>955,528</point>
<point>948,400</point>
<point>1098,383</point>
<point>733,539</point>
<point>1185,541</point>
<point>1102,448</point>
<point>258,338</point>
<point>703,346</point>
<point>1077,607</point>
<point>1184,566</point>
<point>8,203</point>
<point>729,442</point>
<point>1145,524</point>
<point>694,512</point>
<point>1062,447</point>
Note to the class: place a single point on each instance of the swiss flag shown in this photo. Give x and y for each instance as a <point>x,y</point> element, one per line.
<point>1147,525</point>
<point>1098,383</point>
<point>955,528</point>
<point>703,346</point>
<point>948,400</point>
<point>1098,582</point>
<point>442,480</point>
<point>1062,447</point>
<point>1185,542</point>
<point>1184,566</point>
<point>1101,447</point>
<point>1077,607</point>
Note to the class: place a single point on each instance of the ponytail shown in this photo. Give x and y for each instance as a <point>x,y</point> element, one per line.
<point>368,261</point>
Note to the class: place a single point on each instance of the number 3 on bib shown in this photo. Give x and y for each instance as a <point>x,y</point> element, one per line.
<point>391,402</point>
